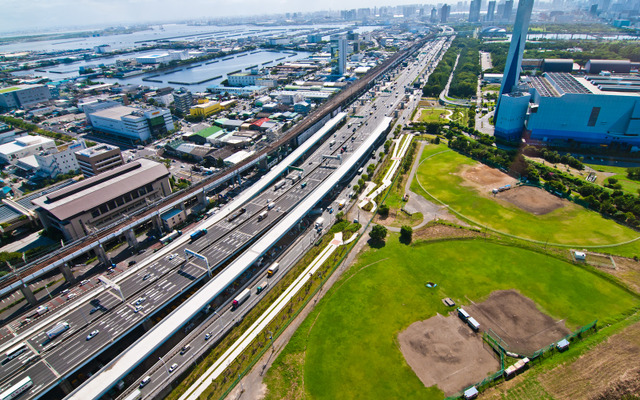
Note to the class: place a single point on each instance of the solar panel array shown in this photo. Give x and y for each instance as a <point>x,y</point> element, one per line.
<point>567,83</point>
<point>542,86</point>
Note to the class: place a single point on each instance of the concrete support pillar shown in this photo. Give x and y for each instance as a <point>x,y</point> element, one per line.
<point>157,224</point>
<point>28,294</point>
<point>130,235</point>
<point>66,386</point>
<point>102,255</point>
<point>202,199</point>
<point>66,272</point>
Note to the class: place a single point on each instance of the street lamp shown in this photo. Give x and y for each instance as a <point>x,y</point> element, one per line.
<point>165,366</point>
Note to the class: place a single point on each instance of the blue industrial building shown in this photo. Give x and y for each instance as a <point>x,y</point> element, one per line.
<point>597,110</point>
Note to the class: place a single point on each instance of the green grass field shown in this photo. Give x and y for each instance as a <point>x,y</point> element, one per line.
<point>620,173</point>
<point>572,224</point>
<point>347,347</point>
<point>439,114</point>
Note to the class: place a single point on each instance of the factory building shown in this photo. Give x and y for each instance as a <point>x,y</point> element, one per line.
<point>21,96</point>
<point>98,159</point>
<point>614,66</point>
<point>132,124</point>
<point>597,111</point>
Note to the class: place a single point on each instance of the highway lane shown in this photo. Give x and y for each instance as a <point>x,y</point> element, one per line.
<point>156,270</point>
<point>131,287</point>
<point>161,372</point>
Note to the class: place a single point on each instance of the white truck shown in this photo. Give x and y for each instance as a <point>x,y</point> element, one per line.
<point>341,203</point>
<point>262,216</point>
<point>56,330</point>
<point>241,298</point>
<point>319,223</point>
<point>279,184</point>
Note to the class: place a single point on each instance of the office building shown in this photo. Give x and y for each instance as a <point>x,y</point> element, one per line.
<point>24,146</point>
<point>434,15</point>
<point>21,96</point>
<point>508,9</point>
<point>491,10</point>
<point>89,205</point>
<point>445,10</point>
<point>182,100</point>
<point>244,78</point>
<point>339,54</point>
<point>132,124</point>
<point>474,11</point>
<point>60,160</point>
<point>98,159</point>
<point>514,57</point>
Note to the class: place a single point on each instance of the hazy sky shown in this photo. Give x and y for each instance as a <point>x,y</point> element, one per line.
<point>30,15</point>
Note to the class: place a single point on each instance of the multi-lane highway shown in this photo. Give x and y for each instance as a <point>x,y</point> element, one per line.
<point>47,361</point>
<point>201,339</point>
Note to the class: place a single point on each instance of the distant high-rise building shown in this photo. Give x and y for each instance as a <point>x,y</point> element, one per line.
<point>444,13</point>
<point>491,11</point>
<point>508,8</point>
<point>474,11</point>
<point>434,15</point>
<point>183,100</point>
<point>594,9</point>
<point>339,55</point>
<point>514,57</point>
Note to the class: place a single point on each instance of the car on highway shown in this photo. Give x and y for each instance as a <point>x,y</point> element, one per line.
<point>140,301</point>
<point>147,276</point>
<point>84,282</point>
<point>132,262</point>
<point>92,334</point>
<point>145,381</point>
<point>173,367</point>
<point>207,336</point>
<point>138,309</point>
<point>185,348</point>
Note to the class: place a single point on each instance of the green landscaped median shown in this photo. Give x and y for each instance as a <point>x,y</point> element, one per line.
<point>347,347</point>
<point>570,225</point>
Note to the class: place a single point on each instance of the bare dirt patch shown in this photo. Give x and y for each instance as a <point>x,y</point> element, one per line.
<point>439,231</point>
<point>628,271</point>
<point>446,352</point>
<point>609,371</point>
<point>532,199</point>
<point>486,178</point>
<point>516,320</point>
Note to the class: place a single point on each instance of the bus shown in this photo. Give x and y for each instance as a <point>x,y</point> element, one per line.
<point>17,389</point>
<point>16,350</point>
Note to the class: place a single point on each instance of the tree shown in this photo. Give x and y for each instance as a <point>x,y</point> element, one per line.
<point>383,210</point>
<point>406,233</point>
<point>378,233</point>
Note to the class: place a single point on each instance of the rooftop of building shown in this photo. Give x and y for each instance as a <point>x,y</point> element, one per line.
<point>556,84</point>
<point>96,150</point>
<point>85,195</point>
<point>116,112</point>
<point>22,142</point>
<point>17,87</point>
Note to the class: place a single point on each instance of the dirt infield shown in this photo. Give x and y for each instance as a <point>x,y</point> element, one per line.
<point>517,321</point>
<point>532,199</point>
<point>486,178</point>
<point>445,352</point>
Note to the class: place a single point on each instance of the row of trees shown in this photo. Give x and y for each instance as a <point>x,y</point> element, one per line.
<point>590,49</point>
<point>440,75</point>
<point>465,77</point>
<point>623,207</point>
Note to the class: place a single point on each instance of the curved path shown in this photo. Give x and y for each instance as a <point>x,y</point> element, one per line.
<point>467,218</point>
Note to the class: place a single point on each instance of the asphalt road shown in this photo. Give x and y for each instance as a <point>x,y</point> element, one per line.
<point>48,360</point>
<point>218,322</point>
